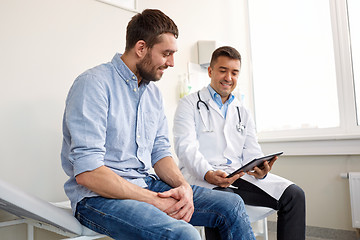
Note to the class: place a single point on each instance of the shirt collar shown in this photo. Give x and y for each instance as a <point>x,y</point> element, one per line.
<point>125,73</point>
<point>217,98</point>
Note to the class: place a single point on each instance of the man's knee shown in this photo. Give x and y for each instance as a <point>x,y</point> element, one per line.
<point>186,231</point>
<point>233,205</point>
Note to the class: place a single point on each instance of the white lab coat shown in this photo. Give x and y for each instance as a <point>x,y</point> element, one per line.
<point>207,141</point>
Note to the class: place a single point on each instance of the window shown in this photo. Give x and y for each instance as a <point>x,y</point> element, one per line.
<point>293,65</point>
<point>354,25</point>
<point>304,88</point>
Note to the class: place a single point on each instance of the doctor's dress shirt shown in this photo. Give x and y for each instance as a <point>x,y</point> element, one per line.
<point>217,99</point>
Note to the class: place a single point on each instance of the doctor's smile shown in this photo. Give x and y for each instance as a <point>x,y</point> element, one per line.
<point>225,84</point>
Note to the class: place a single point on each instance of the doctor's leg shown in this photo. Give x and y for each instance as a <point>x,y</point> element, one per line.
<point>291,214</point>
<point>290,206</point>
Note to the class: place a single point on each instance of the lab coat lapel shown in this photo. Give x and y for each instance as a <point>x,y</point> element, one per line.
<point>209,101</point>
<point>232,114</point>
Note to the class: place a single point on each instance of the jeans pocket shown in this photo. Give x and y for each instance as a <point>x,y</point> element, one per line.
<point>149,180</point>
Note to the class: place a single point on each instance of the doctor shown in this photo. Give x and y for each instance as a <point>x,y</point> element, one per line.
<point>214,135</point>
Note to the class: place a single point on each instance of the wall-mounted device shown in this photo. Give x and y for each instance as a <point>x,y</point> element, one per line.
<point>205,50</point>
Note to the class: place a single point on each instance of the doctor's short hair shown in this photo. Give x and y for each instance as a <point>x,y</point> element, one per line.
<point>148,26</point>
<point>226,51</point>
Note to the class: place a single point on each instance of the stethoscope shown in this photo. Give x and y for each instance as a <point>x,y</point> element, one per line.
<point>240,127</point>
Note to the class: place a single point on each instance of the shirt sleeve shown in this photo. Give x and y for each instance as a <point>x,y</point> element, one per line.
<point>161,147</point>
<point>86,118</point>
<point>186,142</point>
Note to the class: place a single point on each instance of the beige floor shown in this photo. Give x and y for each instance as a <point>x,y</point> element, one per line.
<point>272,236</point>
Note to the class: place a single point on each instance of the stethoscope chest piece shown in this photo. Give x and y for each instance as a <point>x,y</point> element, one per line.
<point>240,128</point>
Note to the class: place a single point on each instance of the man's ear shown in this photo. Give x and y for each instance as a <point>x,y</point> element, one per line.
<point>140,48</point>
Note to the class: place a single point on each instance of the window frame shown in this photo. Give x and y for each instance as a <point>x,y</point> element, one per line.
<point>342,140</point>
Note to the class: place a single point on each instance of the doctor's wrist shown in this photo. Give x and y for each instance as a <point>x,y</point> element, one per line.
<point>208,175</point>
<point>262,177</point>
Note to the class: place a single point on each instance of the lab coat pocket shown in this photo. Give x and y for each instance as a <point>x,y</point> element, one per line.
<point>207,141</point>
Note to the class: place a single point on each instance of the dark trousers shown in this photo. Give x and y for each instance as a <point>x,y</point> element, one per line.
<point>290,207</point>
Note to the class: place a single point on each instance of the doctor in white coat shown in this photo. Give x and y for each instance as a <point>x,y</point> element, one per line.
<point>214,134</point>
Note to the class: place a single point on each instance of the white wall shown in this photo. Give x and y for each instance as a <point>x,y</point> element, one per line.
<point>44,45</point>
<point>327,194</point>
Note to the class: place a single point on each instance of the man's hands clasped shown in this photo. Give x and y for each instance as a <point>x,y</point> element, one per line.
<point>177,202</point>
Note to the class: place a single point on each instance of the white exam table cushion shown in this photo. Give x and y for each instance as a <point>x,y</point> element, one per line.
<point>24,205</point>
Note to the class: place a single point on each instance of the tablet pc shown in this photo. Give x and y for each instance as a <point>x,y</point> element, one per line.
<point>256,162</point>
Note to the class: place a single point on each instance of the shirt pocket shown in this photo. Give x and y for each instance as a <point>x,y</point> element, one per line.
<point>150,121</point>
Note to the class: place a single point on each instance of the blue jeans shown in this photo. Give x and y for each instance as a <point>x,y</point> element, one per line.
<point>131,219</point>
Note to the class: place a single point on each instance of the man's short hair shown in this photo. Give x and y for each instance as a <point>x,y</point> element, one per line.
<point>148,26</point>
<point>225,51</point>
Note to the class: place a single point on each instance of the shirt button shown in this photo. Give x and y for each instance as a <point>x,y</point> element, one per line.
<point>138,136</point>
<point>133,77</point>
<point>127,80</point>
<point>134,89</point>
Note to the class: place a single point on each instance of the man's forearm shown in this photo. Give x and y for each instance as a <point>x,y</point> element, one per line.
<point>106,183</point>
<point>168,171</point>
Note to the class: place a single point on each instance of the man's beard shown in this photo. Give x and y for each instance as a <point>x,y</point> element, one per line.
<point>147,75</point>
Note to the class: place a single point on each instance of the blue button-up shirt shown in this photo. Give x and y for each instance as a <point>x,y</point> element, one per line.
<point>222,106</point>
<point>217,99</point>
<point>110,121</point>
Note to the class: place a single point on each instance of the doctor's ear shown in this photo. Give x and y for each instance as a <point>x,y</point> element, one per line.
<point>140,48</point>
<point>209,71</point>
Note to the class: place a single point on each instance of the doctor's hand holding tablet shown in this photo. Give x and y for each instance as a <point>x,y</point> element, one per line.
<point>219,178</point>
<point>258,168</point>
<point>261,171</point>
